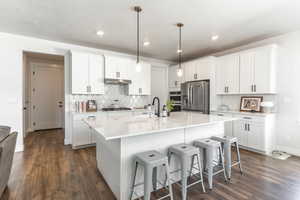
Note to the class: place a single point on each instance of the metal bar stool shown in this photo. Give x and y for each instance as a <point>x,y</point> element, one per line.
<point>150,160</point>
<point>186,153</point>
<point>210,146</point>
<point>226,142</point>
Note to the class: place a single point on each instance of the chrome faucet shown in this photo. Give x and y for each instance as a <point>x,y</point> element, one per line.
<point>158,106</point>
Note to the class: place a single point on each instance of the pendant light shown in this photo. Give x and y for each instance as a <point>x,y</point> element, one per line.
<point>179,51</point>
<point>138,66</point>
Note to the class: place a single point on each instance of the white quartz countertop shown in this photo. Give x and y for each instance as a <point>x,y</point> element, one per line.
<point>115,127</point>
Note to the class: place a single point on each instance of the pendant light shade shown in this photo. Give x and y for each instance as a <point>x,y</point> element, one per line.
<point>179,51</point>
<point>138,66</point>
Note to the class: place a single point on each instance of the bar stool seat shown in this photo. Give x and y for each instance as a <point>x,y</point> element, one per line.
<point>150,160</point>
<point>227,142</point>
<point>209,146</point>
<point>186,153</point>
<point>183,149</point>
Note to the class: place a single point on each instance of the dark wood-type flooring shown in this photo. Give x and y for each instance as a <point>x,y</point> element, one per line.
<point>49,170</point>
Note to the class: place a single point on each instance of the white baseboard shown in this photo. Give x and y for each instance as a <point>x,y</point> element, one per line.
<point>67,142</point>
<point>289,150</point>
<point>19,148</point>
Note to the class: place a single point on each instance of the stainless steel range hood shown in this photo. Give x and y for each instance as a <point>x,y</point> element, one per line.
<point>117,81</point>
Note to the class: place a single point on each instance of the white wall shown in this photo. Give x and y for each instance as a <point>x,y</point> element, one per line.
<point>11,76</point>
<point>288,98</point>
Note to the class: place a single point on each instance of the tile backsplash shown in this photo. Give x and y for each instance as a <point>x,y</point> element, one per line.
<point>111,93</point>
<point>233,101</point>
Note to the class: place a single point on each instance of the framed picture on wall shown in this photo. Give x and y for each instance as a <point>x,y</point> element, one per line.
<point>251,104</point>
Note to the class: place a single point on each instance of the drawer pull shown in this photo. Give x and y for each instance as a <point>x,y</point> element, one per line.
<point>247,118</point>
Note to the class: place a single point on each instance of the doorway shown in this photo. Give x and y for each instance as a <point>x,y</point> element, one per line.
<point>43,92</point>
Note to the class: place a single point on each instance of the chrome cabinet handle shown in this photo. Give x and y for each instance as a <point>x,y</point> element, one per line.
<point>247,118</point>
<point>248,127</point>
<point>245,127</point>
<point>176,82</point>
<point>254,88</point>
<point>118,74</point>
<point>195,76</point>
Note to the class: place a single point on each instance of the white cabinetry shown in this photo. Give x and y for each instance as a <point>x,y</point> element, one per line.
<point>87,73</point>
<point>253,132</point>
<point>248,72</point>
<point>82,134</point>
<point>228,74</point>
<point>174,80</point>
<point>258,70</point>
<point>117,67</point>
<point>141,81</point>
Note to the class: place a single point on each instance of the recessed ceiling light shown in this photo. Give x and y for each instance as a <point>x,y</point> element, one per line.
<point>179,51</point>
<point>214,37</point>
<point>100,33</point>
<point>146,43</point>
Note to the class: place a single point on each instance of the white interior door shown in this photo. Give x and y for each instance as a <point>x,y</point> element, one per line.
<point>46,96</point>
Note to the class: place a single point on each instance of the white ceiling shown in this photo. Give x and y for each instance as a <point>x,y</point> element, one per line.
<point>76,21</point>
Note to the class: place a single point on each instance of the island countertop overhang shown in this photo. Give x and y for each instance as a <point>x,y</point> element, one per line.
<point>116,127</point>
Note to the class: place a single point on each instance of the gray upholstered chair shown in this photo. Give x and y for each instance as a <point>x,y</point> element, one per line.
<point>7,149</point>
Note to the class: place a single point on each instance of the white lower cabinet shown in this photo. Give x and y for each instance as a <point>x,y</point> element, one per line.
<point>82,134</point>
<point>253,132</point>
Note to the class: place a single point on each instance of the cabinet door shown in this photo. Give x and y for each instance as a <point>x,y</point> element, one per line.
<point>256,139</point>
<point>80,72</point>
<point>188,71</point>
<point>221,72</point>
<point>172,76</point>
<point>247,72</point>
<point>81,133</point>
<point>203,68</point>
<point>111,64</point>
<point>146,79</point>
<point>232,76</point>
<point>96,74</point>
<point>264,71</point>
<point>123,68</point>
<point>240,131</point>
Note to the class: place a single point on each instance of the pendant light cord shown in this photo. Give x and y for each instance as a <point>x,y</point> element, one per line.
<point>138,37</point>
<point>180,50</point>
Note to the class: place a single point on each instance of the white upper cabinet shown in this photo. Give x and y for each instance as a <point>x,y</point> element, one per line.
<point>96,74</point>
<point>87,73</point>
<point>228,76</point>
<point>80,72</point>
<point>265,70</point>
<point>248,72</point>
<point>141,81</point>
<point>116,67</point>
<point>174,80</point>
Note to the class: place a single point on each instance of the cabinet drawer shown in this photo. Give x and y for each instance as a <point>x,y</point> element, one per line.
<point>251,118</point>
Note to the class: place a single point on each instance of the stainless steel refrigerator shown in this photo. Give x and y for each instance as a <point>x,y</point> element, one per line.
<point>195,96</point>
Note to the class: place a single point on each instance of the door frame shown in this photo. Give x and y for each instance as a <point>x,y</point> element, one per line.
<point>31,66</point>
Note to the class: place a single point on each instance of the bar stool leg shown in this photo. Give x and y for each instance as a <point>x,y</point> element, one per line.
<point>227,154</point>
<point>133,180</point>
<point>154,179</point>
<point>238,157</point>
<point>192,165</point>
<point>169,182</point>
<point>147,182</point>
<point>200,172</point>
<point>209,161</point>
<point>221,151</point>
<point>183,178</point>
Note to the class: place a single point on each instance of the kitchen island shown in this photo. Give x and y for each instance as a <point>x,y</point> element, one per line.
<point>119,138</point>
